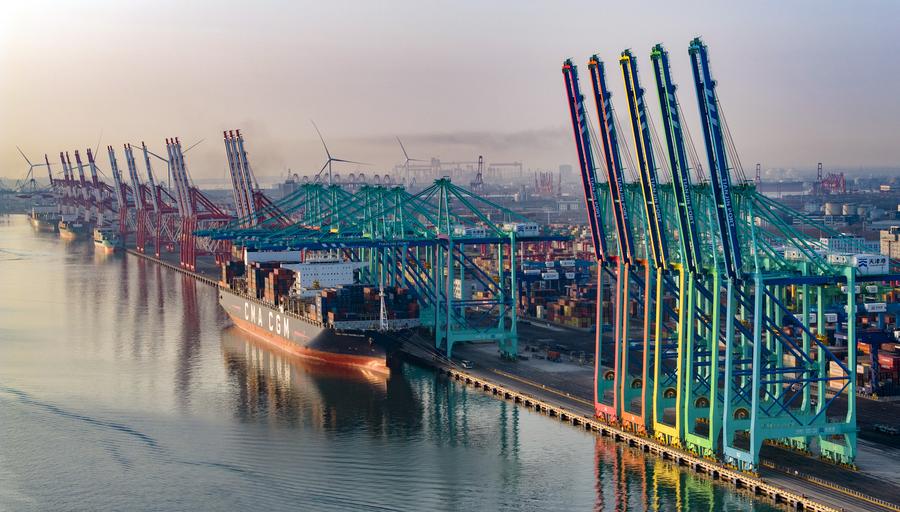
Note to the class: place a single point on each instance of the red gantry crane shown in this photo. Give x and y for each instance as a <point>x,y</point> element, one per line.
<point>253,207</point>
<point>196,211</point>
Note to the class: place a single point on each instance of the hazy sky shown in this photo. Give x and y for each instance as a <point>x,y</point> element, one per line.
<point>800,82</point>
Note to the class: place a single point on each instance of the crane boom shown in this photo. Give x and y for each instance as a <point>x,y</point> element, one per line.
<point>182,193</point>
<point>62,159</point>
<point>644,152</point>
<point>80,167</point>
<point>67,181</point>
<point>83,188</point>
<point>95,181</point>
<point>585,157</point>
<point>248,186</point>
<point>230,154</point>
<point>121,187</point>
<point>678,162</point>
<point>156,193</point>
<point>49,170</point>
<point>715,151</point>
<point>612,157</point>
<point>136,185</point>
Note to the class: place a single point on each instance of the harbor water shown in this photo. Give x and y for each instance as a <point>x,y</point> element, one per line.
<point>123,387</point>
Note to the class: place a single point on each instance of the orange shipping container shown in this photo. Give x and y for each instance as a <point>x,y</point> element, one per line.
<point>889,361</point>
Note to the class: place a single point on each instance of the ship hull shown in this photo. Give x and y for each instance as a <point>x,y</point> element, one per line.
<point>107,247</point>
<point>359,349</point>
<point>73,232</point>
<point>44,226</point>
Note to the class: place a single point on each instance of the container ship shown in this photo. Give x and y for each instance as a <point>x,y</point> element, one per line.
<point>71,228</point>
<point>108,239</point>
<point>45,218</point>
<point>315,309</point>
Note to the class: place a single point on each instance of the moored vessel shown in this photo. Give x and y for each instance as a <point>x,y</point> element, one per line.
<point>72,228</point>
<point>108,239</point>
<point>44,218</point>
<point>347,323</point>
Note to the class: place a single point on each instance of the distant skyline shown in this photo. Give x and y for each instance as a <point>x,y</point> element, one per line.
<point>800,82</point>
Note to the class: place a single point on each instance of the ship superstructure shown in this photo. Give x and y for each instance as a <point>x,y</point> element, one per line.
<point>320,272</point>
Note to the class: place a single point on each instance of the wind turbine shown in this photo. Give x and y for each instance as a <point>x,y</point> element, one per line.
<point>407,161</point>
<point>29,176</point>
<point>330,158</point>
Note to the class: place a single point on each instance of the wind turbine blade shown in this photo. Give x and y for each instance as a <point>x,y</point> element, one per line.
<point>98,141</point>
<point>327,153</point>
<point>403,148</point>
<point>193,145</point>
<point>23,156</point>
<point>348,161</point>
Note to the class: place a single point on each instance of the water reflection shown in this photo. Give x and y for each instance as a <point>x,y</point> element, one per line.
<point>626,479</point>
<point>273,384</point>
<point>100,350</point>
<point>189,347</point>
<point>414,405</point>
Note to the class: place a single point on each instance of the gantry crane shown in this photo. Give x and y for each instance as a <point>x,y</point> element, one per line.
<point>732,310</point>
<point>632,274</point>
<point>143,198</point>
<point>700,311</point>
<point>126,198</point>
<point>662,283</point>
<point>196,212</point>
<point>251,204</point>
<point>606,400</point>
<point>166,228</point>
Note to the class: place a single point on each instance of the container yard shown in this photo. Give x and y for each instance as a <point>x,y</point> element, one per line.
<point>671,304</point>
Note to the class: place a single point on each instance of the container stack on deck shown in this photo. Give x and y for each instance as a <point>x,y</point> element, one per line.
<point>256,278</point>
<point>232,270</point>
<point>278,285</point>
<point>359,302</point>
<point>397,300</point>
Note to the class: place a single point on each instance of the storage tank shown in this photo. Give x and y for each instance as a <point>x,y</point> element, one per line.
<point>862,210</point>
<point>847,209</point>
<point>832,209</point>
